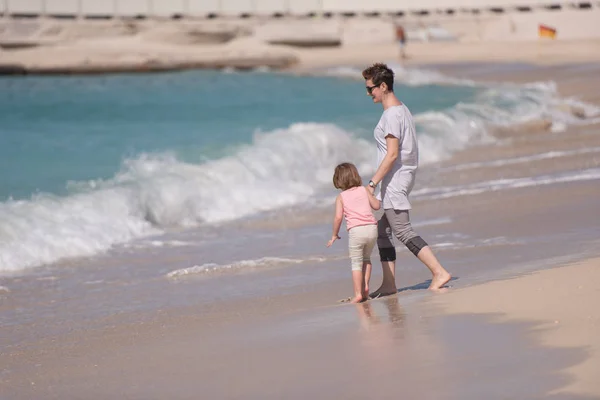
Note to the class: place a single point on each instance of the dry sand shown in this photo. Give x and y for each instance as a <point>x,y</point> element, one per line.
<point>538,52</point>
<point>55,46</point>
<point>561,302</point>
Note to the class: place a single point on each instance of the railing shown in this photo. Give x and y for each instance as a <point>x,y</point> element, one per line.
<point>208,8</point>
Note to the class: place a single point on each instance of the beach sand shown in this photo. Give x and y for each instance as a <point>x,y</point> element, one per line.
<point>560,305</point>
<point>530,337</point>
<point>530,332</point>
<point>540,52</point>
<point>50,46</point>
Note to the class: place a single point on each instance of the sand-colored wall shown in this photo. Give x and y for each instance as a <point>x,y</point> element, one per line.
<point>571,24</point>
<point>168,8</point>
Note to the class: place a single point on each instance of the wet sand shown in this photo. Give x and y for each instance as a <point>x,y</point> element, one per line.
<point>530,337</point>
<point>492,340</point>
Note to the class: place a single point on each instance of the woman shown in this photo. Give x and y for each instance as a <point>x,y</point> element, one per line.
<point>397,159</point>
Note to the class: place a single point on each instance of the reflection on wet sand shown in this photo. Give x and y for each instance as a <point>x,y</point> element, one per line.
<point>370,313</point>
<point>382,325</point>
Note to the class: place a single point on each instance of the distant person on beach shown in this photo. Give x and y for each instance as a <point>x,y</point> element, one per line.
<point>397,161</point>
<point>354,205</point>
<point>401,38</point>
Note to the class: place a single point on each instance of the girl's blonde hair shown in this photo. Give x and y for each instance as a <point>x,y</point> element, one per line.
<point>346,177</point>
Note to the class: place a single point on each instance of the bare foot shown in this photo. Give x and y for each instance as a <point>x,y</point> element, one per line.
<point>439,281</point>
<point>365,294</point>
<point>357,299</point>
<point>383,292</point>
<point>440,290</point>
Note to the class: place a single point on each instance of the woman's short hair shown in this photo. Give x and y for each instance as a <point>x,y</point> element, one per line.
<point>380,73</point>
<point>346,176</point>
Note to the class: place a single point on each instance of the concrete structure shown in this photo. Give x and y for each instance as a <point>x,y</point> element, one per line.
<point>247,8</point>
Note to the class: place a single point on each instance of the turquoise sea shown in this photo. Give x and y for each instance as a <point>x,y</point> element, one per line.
<point>64,129</point>
<point>94,162</point>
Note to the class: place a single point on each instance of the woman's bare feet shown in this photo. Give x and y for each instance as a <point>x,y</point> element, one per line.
<point>383,291</point>
<point>439,280</point>
<point>440,275</point>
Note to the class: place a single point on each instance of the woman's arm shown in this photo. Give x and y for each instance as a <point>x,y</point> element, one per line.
<point>373,202</point>
<point>337,220</point>
<point>392,144</point>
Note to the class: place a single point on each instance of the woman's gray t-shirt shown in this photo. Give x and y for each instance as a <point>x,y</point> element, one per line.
<point>399,181</point>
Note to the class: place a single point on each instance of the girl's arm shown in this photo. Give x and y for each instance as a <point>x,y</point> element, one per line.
<point>337,220</point>
<point>373,202</point>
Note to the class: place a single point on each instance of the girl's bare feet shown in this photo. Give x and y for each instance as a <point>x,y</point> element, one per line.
<point>357,299</point>
<point>365,293</point>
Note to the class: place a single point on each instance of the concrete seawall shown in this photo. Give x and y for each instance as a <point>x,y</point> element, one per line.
<point>273,8</point>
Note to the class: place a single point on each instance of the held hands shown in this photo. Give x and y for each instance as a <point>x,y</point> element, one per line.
<point>333,239</point>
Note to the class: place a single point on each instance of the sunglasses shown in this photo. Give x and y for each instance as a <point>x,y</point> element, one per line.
<point>370,88</point>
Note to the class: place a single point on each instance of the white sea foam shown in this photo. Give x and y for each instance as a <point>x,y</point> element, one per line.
<point>494,105</point>
<point>478,243</point>
<point>530,100</point>
<point>157,243</point>
<point>154,192</point>
<point>523,159</point>
<point>443,133</point>
<point>240,265</point>
<point>445,192</point>
<point>433,222</point>
<point>468,124</point>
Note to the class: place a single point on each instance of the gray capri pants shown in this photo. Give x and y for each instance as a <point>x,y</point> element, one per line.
<point>396,223</point>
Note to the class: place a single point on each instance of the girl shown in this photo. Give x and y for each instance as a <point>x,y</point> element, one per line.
<point>355,204</point>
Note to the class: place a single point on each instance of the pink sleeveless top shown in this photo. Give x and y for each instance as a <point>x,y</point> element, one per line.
<point>357,209</point>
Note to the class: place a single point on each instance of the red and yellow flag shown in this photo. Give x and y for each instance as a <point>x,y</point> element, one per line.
<point>546,31</point>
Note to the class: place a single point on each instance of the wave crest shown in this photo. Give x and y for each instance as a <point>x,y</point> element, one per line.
<point>153,192</point>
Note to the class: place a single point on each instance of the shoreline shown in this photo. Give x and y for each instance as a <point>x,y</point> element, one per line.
<point>75,61</point>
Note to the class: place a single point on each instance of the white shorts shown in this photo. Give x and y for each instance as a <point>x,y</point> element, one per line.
<point>361,240</point>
